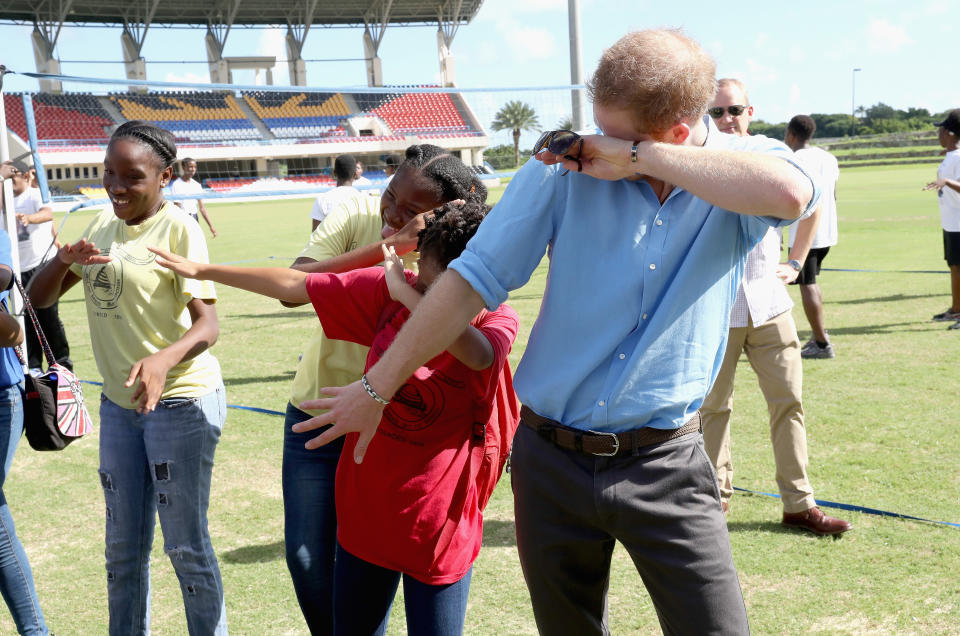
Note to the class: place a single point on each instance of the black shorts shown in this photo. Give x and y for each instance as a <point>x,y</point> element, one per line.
<point>811,267</point>
<point>951,247</point>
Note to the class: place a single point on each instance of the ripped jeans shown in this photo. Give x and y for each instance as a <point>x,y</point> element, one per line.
<point>160,464</point>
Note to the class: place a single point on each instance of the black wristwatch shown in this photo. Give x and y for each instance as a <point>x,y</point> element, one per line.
<point>795,264</point>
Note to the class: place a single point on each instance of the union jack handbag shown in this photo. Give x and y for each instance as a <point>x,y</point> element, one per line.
<point>53,411</point>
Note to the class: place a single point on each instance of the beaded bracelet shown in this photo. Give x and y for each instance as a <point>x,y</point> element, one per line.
<point>369,389</point>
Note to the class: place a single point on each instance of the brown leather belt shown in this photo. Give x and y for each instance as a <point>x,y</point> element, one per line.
<point>599,443</point>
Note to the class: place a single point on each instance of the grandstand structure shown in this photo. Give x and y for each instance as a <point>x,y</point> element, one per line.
<point>238,136</point>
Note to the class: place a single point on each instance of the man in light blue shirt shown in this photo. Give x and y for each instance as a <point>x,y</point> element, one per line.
<point>646,247</point>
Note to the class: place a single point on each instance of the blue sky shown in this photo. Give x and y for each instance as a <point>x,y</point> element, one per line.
<point>794,58</point>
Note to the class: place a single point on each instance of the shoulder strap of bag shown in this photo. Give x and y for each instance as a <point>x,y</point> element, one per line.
<point>51,360</point>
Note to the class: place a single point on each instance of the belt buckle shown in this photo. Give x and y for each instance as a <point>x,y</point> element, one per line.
<point>616,443</point>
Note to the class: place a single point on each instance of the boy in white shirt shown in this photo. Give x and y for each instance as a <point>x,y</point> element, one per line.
<point>947,186</point>
<point>186,184</point>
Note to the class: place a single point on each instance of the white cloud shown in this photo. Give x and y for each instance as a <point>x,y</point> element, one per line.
<point>273,43</point>
<point>797,54</point>
<point>886,37</point>
<point>795,94</point>
<point>525,42</point>
<point>757,73</point>
<point>494,10</point>
<point>187,78</point>
<point>937,7</point>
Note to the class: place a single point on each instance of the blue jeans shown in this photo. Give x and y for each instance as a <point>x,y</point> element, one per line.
<point>364,593</point>
<point>160,464</point>
<point>310,520</point>
<point>16,579</point>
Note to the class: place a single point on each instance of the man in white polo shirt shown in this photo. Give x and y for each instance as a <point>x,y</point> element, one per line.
<point>186,184</point>
<point>761,325</point>
<point>819,163</point>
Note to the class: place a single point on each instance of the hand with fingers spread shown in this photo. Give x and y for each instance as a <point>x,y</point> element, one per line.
<point>82,252</point>
<point>405,240</point>
<point>936,185</point>
<point>350,409</point>
<point>397,283</point>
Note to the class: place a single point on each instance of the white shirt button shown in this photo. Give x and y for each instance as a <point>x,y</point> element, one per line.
<point>659,221</point>
<point>622,356</point>
<point>601,403</point>
<point>652,266</point>
<point>644,316</point>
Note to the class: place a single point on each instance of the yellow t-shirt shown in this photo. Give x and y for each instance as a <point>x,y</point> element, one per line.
<point>328,362</point>
<point>136,308</point>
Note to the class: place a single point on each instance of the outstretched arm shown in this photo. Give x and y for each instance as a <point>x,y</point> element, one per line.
<point>285,284</point>
<point>55,278</point>
<point>440,318</point>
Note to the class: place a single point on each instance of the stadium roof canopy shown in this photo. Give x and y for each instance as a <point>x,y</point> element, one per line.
<point>238,12</point>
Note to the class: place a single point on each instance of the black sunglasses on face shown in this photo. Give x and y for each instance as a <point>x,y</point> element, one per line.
<point>559,142</point>
<point>717,111</point>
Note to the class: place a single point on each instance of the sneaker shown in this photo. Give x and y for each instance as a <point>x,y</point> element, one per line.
<point>955,325</point>
<point>814,350</point>
<point>946,316</point>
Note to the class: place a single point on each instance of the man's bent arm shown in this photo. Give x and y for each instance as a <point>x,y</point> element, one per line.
<point>442,315</point>
<point>744,182</point>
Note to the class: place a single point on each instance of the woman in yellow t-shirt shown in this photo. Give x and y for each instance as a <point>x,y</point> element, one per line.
<point>349,238</point>
<point>163,404</point>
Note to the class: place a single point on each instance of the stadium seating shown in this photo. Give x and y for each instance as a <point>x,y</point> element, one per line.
<point>189,115</point>
<point>60,118</point>
<point>421,113</point>
<point>300,115</point>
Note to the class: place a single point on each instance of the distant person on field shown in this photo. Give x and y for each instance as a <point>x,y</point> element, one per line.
<point>823,166</point>
<point>36,237</point>
<point>358,178</point>
<point>646,228</point>
<point>186,184</point>
<point>947,186</point>
<point>391,162</point>
<point>344,169</point>
<point>761,325</point>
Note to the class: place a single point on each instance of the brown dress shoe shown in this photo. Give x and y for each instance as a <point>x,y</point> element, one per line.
<point>815,521</point>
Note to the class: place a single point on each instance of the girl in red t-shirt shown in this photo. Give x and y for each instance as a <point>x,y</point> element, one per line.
<point>412,510</point>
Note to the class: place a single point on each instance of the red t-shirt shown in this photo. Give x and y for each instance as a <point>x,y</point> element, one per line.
<point>412,506</point>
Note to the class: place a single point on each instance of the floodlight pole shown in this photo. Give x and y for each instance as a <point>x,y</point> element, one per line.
<point>578,105</point>
<point>853,102</point>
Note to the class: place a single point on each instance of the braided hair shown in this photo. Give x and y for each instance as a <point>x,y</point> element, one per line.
<point>449,176</point>
<point>450,228</point>
<point>160,141</point>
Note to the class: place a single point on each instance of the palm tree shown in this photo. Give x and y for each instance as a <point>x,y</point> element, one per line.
<point>565,124</point>
<point>516,116</point>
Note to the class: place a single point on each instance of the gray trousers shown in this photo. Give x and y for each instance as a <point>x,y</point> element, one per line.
<point>662,505</point>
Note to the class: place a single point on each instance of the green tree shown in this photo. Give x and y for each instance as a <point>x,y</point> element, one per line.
<point>565,124</point>
<point>516,116</point>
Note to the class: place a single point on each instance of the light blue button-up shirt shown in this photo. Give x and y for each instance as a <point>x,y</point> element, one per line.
<point>634,318</point>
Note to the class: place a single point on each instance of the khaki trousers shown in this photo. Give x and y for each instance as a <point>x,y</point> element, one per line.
<point>773,350</point>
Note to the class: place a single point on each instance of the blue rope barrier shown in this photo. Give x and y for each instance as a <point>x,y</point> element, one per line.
<point>855,508</point>
<point>255,409</point>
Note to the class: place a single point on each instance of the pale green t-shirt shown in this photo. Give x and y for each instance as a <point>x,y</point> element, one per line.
<point>327,362</point>
<point>136,308</point>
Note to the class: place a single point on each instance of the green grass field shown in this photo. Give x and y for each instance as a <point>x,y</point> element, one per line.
<point>882,421</point>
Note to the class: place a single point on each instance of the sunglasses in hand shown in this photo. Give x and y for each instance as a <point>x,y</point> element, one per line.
<point>560,142</point>
<point>717,111</point>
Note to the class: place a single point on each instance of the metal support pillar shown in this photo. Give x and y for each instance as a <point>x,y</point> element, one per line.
<point>219,20</point>
<point>298,25</point>
<point>136,22</point>
<point>448,19</point>
<point>376,20</point>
